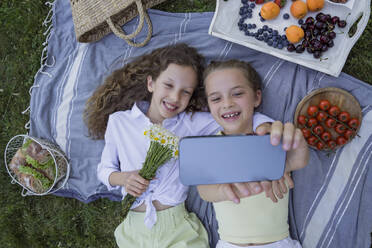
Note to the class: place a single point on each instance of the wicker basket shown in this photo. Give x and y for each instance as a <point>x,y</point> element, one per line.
<point>93,19</point>
<point>59,164</point>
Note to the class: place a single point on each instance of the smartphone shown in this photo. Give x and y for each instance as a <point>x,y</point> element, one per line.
<point>229,159</point>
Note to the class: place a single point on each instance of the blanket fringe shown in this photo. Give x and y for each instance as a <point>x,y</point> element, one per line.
<point>44,55</point>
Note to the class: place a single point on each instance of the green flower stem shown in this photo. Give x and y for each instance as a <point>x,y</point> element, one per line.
<point>157,155</point>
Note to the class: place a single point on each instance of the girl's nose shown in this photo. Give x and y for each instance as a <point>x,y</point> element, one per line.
<point>175,96</point>
<point>228,103</point>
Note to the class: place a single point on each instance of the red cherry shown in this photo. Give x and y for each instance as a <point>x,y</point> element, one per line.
<point>331,144</point>
<point>330,123</point>
<point>326,136</point>
<point>344,116</point>
<point>324,105</point>
<point>312,110</point>
<point>339,128</point>
<point>353,122</point>
<point>334,111</point>
<point>312,122</point>
<point>306,132</point>
<point>302,120</point>
<point>318,129</point>
<point>340,140</point>
<point>321,116</point>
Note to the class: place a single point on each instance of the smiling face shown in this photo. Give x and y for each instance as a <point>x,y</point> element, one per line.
<point>231,100</point>
<point>171,92</point>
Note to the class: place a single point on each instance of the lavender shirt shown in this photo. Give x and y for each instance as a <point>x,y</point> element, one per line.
<point>126,148</point>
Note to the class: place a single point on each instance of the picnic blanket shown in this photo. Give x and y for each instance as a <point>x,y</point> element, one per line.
<point>331,205</point>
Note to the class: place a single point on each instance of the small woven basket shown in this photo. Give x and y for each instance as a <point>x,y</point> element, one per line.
<point>60,163</point>
<point>93,19</point>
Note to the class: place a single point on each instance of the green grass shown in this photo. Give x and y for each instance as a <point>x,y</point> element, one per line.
<point>54,221</point>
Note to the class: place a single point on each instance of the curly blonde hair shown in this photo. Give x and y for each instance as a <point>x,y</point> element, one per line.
<point>128,85</point>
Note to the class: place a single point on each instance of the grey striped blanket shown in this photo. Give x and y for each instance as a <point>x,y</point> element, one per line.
<point>331,205</point>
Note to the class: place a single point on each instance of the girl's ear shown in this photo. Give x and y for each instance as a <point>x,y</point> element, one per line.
<point>150,83</point>
<point>258,98</point>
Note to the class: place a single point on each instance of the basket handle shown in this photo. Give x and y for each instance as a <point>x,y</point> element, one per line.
<point>116,29</point>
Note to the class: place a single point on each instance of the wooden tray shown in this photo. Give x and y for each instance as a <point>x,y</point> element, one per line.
<point>336,96</point>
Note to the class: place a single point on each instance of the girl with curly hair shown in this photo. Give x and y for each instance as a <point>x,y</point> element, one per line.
<point>162,87</point>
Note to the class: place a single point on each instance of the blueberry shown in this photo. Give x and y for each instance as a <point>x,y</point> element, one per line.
<point>249,10</point>
<point>260,31</point>
<point>265,35</point>
<point>280,46</point>
<point>249,15</point>
<point>252,5</point>
<point>270,36</point>
<point>249,26</point>
<point>265,27</point>
<point>300,21</point>
<point>270,30</point>
<point>275,32</point>
<point>241,27</point>
<point>256,35</point>
<point>261,38</point>
<point>246,33</point>
<point>262,19</point>
<point>244,1</point>
<point>254,25</point>
<point>266,38</point>
<point>275,44</point>
<point>245,26</point>
<point>286,16</point>
<point>270,42</point>
<point>285,29</point>
<point>241,20</point>
<point>284,37</point>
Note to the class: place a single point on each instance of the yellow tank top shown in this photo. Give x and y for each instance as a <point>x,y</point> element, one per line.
<point>256,219</point>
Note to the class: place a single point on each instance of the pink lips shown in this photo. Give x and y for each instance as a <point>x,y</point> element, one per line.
<point>230,116</point>
<point>170,107</point>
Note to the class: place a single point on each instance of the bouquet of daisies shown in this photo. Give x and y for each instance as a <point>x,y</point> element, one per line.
<point>163,147</point>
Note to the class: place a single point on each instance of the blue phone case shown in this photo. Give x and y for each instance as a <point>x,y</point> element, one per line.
<point>229,159</point>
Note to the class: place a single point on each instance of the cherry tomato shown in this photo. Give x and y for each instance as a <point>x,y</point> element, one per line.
<point>318,129</point>
<point>344,116</point>
<point>302,120</point>
<point>312,110</point>
<point>306,132</point>
<point>349,134</point>
<point>320,145</point>
<point>330,123</point>
<point>331,144</point>
<point>312,122</point>
<point>326,136</point>
<point>321,116</point>
<point>324,105</point>
<point>354,123</point>
<point>334,111</point>
<point>312,140</point>
<point>340,140</point>
<point>339,128</point>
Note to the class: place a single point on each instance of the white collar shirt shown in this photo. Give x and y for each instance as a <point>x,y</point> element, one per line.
<point>126,148</point>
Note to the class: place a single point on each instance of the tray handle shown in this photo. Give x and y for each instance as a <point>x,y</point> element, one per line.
<point>362,23</point>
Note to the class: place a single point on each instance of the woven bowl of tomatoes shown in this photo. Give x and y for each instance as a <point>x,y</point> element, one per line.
<point>328,118</point>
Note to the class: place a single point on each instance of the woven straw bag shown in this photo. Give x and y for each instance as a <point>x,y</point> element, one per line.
<point>93,19</point>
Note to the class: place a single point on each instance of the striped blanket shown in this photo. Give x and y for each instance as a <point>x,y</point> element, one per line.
<point>331,205</point>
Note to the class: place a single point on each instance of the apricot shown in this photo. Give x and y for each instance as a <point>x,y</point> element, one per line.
<point>270,10</point>
<point>298,9</point>
<point>315,5</point>
<point>294,33</point>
